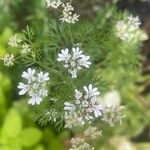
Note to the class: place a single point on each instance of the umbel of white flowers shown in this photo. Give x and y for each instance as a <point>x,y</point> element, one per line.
<point>8,60</point>
<point>74,60</point>
<point>128,30</point>
<point>68,16</point>
<point>35,86</point>
<point>25,49</point>
<point>79,143</point>
<point>14,41</point>
<point>53,3</point>
<point>67,13</point>
<point>84,108</point>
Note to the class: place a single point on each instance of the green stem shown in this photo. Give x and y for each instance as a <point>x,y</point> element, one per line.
<point>18,57</point>
<point>70,32</point>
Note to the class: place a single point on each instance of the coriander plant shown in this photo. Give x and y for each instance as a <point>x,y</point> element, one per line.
<point>61,60</point>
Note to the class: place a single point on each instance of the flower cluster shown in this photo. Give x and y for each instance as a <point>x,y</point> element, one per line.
<point>128,30</point>
<point>8,60</point>
<point>36,86</point>
<point>14,41</point>
<point>25,49</point>
<point>83,109</point>
<point>113,115</point>
<point>112,112</point>
<point>68,15</point>
<point>53,3</point>
<point>74,60</point>
<point>92,132</point>
<point>80,144</point>
<point>67,11</point>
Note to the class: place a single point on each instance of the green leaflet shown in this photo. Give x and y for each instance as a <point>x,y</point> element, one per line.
<point>30,136</point>
<point>12,124</point>
<point>13,137</point>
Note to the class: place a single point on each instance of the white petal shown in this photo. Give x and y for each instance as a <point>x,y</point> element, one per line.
<point>97,113</point>
<point>23,87</point>
<point>25,75</point>
<point>90,87</point>
<point>31,101</point>
<point>86,89</point>
<point>60,55</point>
<point>22,92</point>
<point>60,59</point>
<point>38,100</point>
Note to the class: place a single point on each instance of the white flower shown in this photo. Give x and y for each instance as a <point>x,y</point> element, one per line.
<point>77,140</point>
<point>128,30</point>
<point>113,115</point>
<point>53,3</point>
<point>111,111</point>
<point>83,109</point>
<point>74,60</point>
<point>73,120</point>
<point>90,91</point>
<point>64,55</point>
<point>69,106</point>
<point>85,146</point>
<point>25,49</point>
<point>14,41</point>
<point>77,53</point>
<point>133,22</point>
<point>122,28</point>
<point>29,75</point>
<point>73,73</point>
<point>97,109</point>
<point>43,77</point>
<point>68,15</point>
<point>24,88</point>
<point>78,94</point>
<point>35,99</point>
<point>92,132</point>
<point>84,61</point>
<point>8,60</point>
<point>80,144</point>
<point>35,87</point>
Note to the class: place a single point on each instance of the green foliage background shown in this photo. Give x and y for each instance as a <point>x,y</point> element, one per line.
<point>118,66</point>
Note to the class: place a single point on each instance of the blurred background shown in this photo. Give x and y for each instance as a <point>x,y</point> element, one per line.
<point>18,131</point>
